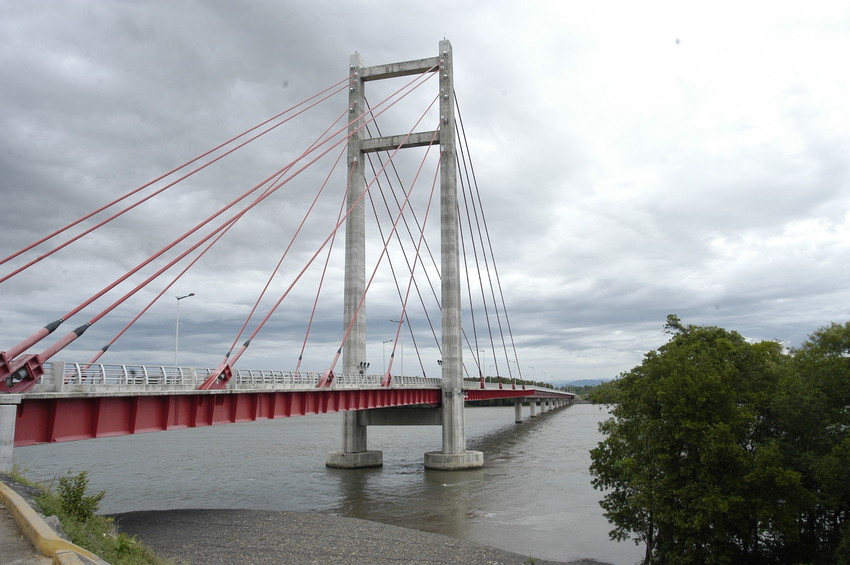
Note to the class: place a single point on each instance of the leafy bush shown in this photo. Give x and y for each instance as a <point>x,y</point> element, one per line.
<point>75,503</point>
<point>77,512</point>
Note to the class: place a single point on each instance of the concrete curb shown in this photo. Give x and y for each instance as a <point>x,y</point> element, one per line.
<point>46,541</point>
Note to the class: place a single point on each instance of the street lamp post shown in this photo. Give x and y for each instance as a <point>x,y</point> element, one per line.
<point>384,353</point>
<point>401,342</point>
<point>177,325</point>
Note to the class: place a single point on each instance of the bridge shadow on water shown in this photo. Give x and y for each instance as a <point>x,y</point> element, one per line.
<point>462,504</point>
<point>501,444</point>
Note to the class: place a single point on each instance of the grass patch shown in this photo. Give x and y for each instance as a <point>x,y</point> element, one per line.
<point>77,512</point>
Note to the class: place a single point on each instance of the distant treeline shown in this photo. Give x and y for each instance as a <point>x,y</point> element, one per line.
<point>508,382</point>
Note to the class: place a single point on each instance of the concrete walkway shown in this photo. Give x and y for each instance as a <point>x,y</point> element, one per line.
<point>15,547</point>
<point>26,539</point>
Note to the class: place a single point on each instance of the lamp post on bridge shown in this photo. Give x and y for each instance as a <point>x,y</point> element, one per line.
<point>401,342</point>
<point>177,325</point>
<point>384,353</point>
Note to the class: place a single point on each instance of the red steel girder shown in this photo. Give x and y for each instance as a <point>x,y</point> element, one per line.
<point>491,393</point>
<point>45,419</point>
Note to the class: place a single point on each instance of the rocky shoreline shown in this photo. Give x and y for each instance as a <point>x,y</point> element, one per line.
<point>267,537</point>
<point>264,537</point>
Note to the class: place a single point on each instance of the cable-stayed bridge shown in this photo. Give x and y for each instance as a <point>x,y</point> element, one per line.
<point>414,242</point>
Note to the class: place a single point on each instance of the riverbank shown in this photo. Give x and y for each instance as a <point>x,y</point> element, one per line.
<point>265,537</point>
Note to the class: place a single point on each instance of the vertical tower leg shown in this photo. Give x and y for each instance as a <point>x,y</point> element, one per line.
<point>354,453</point>
<point>454,455</point>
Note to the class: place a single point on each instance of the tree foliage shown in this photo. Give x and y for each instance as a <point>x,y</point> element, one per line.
<point>605,393</point>
<point>723,451</point>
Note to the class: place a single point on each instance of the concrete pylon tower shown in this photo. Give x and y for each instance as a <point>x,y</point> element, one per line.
<point>454,455</point>
<point>354,453</point>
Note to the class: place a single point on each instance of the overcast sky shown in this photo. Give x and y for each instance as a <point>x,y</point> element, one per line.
<point>635,159</point>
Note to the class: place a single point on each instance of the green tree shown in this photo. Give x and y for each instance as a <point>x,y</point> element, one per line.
<point>605,393</point>
<point>689,466</point>
<point>818,440</point>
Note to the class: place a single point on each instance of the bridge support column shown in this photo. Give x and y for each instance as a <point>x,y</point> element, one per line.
<point>532,403</point>
<point>518,410</point>
<point>354,453</point>
<point>8,416</point>
<point>454,455</point>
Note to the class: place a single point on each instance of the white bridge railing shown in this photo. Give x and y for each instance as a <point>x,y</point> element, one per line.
<point>100,374</point>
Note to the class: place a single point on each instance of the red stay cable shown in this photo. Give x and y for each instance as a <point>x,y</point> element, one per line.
<point>203,252</point>
<point>229,362</point>
<point>169,173</point>
<point>416,259</point>
<point>8,362</point>
<point>223,370</point>
<point>256,304</point>
<point>321,282</point>
<point>155,193</point>
<point>392,231</point>
<point>294,237</point>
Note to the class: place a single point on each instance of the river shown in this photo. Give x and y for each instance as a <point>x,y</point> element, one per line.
<point>533,495</point>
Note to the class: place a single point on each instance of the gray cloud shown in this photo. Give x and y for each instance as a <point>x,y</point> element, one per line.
<point>633,162</point>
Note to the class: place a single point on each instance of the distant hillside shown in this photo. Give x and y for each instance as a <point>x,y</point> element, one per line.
<point>581,382</point>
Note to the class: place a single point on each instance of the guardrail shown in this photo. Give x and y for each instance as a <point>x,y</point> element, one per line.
<point>83,378</point>
<point>101,374</point>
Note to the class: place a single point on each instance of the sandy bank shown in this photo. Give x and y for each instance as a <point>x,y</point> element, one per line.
<point>263,537</point>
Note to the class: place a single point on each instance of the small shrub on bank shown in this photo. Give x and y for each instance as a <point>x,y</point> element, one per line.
<point>77,512</point>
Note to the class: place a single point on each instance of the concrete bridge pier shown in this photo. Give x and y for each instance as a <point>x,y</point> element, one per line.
<point>8,415</point>
<point>518,410</point>
<point>354,453</point>
<point>532,404</point>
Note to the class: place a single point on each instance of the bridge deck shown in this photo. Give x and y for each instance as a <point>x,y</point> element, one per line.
<point>71,403</point>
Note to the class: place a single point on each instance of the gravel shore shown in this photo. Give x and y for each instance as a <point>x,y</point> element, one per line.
<point>263,537</point>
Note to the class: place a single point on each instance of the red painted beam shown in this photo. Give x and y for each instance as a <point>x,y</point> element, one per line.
<point>493,393</point>
<point>490,394</point>
<point>54,419</point>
